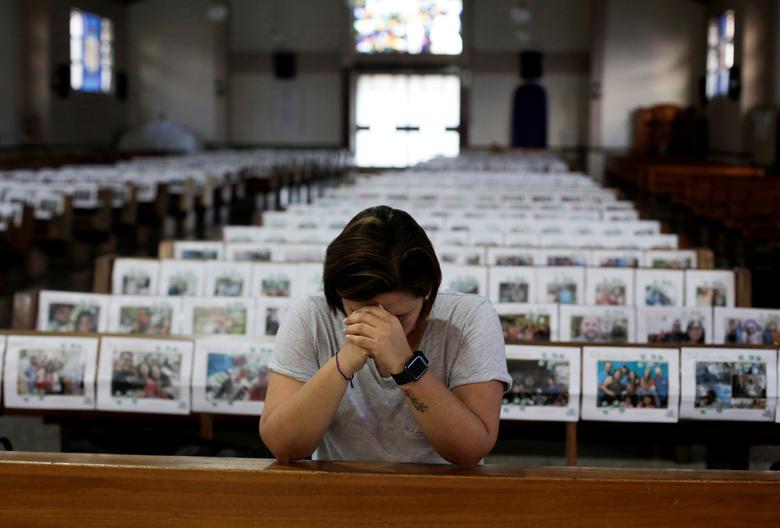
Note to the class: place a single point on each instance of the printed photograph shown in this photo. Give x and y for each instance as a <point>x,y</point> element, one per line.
<point>182,283</point>
<point>597,328</point>
<point>731,385</point>
<point>277,285</point>
<point>660,292</point>
<point>252,255</point>
<point>611,291</point>
<point>137,283</point>
<point>236,377</point>
<point>676,260</point>
<point>564,260</point>
<point>147,320</point>
<point>459,256</point>
<point>633,384</point>
<point>562,291</point>
<point>538,382</point>
<point>675,330</point>
<point>753,330</point>
<point>616,260</point>
<point>73,317</point>
<point>229,285</point>
<point>525,328</point>
<point>273,319</point>
<point>313,254</point>
<point>47,372</point>
<point>513,291</point>
<point>146,375</point>
<point>514,260</point>
<point>199,254</point>
<point>463,284</point>
<point>714,293</point>
<point>212,320</point>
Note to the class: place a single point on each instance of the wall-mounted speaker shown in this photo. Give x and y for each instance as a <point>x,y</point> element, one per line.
<point>120,87</point>
<point>531,65</point>
<point>735,82</point>
<point>285,64</point>
<point>60,83</point>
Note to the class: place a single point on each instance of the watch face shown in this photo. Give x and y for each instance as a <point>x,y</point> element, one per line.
<point>417,367</point>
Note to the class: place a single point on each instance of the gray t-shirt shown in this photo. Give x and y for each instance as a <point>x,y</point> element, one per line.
<point>463,342</point>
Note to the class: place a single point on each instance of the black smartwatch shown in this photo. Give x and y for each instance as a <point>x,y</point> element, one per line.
<point>414,369</point>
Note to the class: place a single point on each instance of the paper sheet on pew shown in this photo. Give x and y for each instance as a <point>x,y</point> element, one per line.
<point>650,394</point>
<point>710,288</point>
<point>609,286</point>
<point>11,214</point>
<point>48,372</point>
<point>61,311</point>
<point>252,252</point>
<point>45,204</point>
<point>674,325</point>
<point>218,316</point>
<point>145,315</point>
<point>145,375</point>
<point>660,241</point>
<point>228,279</point>
<point>728,384</point>
<point>545,383</point>
<point>512,284</point>
<point>518,252</point>
<point>146,188</point>
<point>616,258</point>
<point>528,323</point>
<point>189,250</point>
<point>135,276</point>
<point>671,259</point>
<point>746,326</point>
<point>230,375</point>
<point>597,324</point>
<point>659,287</point>
<point>182,278</point>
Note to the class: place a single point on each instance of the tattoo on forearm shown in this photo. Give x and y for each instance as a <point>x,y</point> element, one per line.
<point>416,402</point>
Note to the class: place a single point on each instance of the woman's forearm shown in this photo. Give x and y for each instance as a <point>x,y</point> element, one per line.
<point>295,428</point>
<point>456,432</point>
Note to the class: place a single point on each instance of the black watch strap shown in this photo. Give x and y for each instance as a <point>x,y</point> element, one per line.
<point>414,369</point>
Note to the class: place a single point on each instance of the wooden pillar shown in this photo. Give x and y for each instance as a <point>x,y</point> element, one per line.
<point>571,443</point>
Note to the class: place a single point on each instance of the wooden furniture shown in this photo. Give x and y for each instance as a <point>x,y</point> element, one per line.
<point>664,129</point>
<point>42,489</point>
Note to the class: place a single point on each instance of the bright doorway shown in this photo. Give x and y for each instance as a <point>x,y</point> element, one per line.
<point>405,119</point>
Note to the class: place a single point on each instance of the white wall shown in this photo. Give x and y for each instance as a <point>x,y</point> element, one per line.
<point>756,53</point>
<point>303,111</point>
<point>492,106</point>
<point>173,65</point>
<point>561,29</point>
<point>300,25</point>
<point>653,53</point>
<point>85,118</point>
<point>555,25</point>
<point>10,73</point>
<point>317,31</point>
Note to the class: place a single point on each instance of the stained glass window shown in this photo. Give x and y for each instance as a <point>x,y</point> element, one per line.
<point>720,53</point>
<point>91,52</point>
<point>408,26</point>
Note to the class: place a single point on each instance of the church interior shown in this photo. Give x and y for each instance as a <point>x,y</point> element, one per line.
<point>606,173</point>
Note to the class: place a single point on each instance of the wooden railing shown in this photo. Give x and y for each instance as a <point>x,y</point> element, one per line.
<point>38,490</point>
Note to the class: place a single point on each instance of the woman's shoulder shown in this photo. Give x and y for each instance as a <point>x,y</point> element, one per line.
<point>309,307</point>
<point>462,306</point>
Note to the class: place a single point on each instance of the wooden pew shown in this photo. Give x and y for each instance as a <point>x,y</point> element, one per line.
<point>40,489</point>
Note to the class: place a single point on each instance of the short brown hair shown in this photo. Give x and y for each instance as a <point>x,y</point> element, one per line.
<point>381,250</point>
